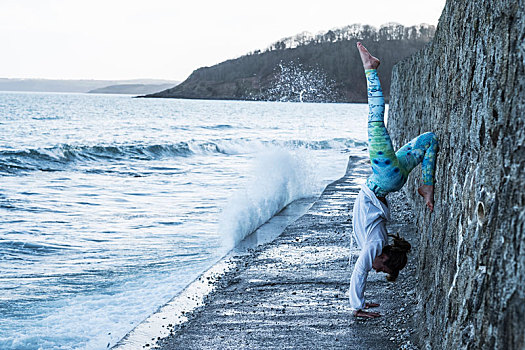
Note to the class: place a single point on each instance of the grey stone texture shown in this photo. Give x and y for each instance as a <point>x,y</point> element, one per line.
<point>467,86</point>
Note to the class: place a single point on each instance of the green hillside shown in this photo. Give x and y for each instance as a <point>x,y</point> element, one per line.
<point>311,68</point>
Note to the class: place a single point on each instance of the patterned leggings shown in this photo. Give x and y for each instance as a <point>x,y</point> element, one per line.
<point>391,169</point>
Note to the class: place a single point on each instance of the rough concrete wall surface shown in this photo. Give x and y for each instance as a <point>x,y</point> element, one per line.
<point>468,86</point>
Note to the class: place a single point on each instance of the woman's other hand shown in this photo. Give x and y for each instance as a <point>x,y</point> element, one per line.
<point>371,305</point>
<point>366,314</point>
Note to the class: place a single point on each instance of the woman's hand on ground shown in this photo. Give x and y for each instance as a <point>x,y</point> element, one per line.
<point>366,314</point>
<point>371,305</point>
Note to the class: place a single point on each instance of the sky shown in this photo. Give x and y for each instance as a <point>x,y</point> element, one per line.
<point>162,39</point>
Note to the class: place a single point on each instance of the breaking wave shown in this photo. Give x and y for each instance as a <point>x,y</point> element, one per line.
<point>63,156</point>
<point>279,177</point>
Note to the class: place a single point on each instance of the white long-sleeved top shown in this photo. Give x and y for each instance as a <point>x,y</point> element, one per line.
<point>370,234</point>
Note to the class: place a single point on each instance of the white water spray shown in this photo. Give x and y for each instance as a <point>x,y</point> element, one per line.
<point>279,177</point>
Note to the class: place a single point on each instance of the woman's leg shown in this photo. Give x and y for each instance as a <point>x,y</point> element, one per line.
<point>388,175</point>
<point>422,149</point>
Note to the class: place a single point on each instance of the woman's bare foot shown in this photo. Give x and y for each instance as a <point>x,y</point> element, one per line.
<point>369,61</point>
<point>427,191</point>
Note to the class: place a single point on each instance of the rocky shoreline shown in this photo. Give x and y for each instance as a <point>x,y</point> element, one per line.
<point>292,292</point>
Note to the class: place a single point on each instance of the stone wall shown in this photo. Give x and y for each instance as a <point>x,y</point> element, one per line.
<point>468,86</point>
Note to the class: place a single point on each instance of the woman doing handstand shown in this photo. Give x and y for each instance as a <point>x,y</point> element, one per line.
<point>389,173</point>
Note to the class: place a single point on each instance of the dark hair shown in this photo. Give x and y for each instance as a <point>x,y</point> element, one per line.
<point>397,256</point>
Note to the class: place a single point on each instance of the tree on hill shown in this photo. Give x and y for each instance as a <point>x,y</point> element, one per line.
<point>388,31</point>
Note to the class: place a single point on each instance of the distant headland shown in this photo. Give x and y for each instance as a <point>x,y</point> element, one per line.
<point>309,68</point>
<point>132,89</point>
<point>131,86</point>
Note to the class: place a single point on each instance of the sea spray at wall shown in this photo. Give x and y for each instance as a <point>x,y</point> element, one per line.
<point>278,178</point>
<point>109,205</point>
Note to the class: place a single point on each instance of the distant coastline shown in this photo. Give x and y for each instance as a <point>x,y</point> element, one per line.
<point>79,85</point>
<point>132,89</point>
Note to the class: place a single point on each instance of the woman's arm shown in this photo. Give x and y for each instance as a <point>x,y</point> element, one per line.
<point>358,280</point>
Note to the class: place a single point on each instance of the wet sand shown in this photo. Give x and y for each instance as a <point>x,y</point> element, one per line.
<point>292,293</point>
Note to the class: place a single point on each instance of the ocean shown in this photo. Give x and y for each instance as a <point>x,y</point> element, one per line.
<point>110,205</point>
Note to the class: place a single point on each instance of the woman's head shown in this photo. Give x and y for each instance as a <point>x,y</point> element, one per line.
<point>395,257</point>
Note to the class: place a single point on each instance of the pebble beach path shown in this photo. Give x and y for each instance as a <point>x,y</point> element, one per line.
<point>291,293</point>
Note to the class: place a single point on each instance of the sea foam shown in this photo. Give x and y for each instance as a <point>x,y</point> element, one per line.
<point>278,178</point>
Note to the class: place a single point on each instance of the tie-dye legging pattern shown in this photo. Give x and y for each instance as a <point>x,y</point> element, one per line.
<point>391,169</point>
